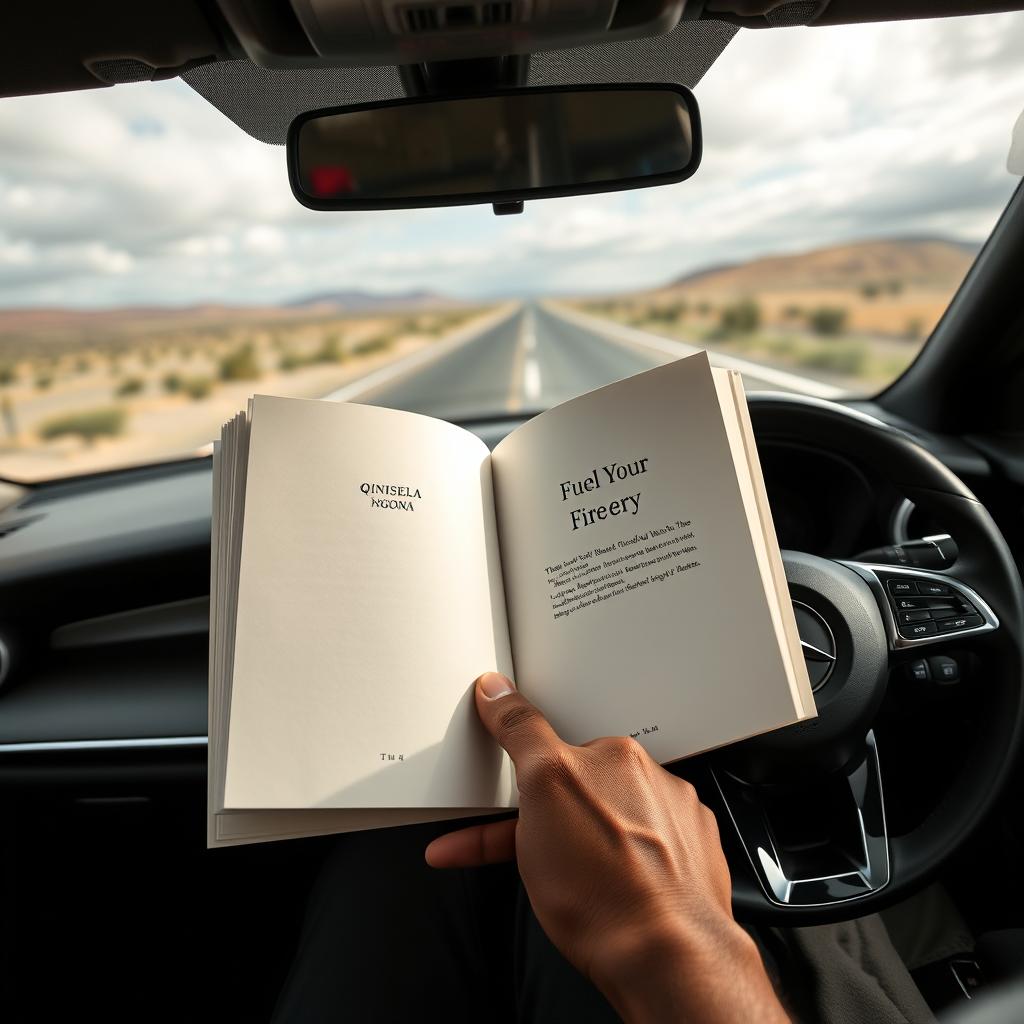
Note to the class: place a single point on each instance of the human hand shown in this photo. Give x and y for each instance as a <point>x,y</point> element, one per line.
<point>624,870</point>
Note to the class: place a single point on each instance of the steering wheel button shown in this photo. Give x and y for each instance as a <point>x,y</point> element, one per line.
<point>918,616</point>
<point>918,671</point>
<point>897,587</point>
<point>944,670</point>
<point>931,589</point>
<point>913,630</point>
<point>960,622</point>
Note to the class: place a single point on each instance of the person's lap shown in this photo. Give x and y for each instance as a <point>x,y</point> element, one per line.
<point>388,938</point>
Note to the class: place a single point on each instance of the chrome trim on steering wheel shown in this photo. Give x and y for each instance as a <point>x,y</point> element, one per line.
<point>867,867</point>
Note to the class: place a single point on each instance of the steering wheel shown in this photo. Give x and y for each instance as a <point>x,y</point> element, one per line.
<point>802,810</point>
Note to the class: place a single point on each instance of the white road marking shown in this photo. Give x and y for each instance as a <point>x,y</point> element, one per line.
<point>531,380</point>
<point>631,336</point>
<point>528,334</point>
<point>417,360</point>
<point>531,368</point>
<point>525,380</point>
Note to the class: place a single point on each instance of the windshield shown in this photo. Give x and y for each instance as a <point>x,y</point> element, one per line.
<point>155,270</point>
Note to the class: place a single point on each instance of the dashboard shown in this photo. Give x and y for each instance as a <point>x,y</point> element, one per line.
<point>104,585</point>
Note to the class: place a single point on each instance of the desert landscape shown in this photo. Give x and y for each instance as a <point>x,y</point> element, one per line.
<point>85,390</point>
<point>82,391</point>
<point>854,314</point>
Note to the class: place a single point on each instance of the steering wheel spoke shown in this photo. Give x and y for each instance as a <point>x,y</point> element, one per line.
<point>816,844</point>
<point>920,607</point>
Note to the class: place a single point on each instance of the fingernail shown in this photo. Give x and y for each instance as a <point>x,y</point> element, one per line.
<point>494,685</point>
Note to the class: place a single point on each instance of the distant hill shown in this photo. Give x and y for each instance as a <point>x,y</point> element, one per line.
<point>72,319</point>
<point>64,319</point>
<point>922,263</point>
<point>355,300</point>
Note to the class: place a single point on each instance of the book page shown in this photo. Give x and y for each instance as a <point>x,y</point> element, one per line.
<point>369,599</point>
<point>640,599</point>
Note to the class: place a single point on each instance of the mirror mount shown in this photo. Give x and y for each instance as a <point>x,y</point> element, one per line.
<point>469,77</point>
<point>509,207</point>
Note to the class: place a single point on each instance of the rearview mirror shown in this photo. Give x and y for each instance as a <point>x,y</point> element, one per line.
<point>501,148</point>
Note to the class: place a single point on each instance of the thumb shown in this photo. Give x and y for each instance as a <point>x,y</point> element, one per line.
<point>512,720</point>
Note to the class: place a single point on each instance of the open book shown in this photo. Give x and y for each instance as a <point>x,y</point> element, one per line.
<point>614,555</point>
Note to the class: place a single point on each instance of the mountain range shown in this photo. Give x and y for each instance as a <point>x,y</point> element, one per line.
<point>932,264</point>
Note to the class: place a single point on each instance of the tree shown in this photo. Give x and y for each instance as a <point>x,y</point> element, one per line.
<point>242,364</point>
<point>742,317</point>
<point>828,320</point>
<point>88,424</point>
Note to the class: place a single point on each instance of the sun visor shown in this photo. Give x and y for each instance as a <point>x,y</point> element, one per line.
<point>350,33</point>
<point>264,101</point>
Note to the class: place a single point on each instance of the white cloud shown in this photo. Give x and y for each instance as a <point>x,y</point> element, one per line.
<point>146,193</point>
<point>262,238</point>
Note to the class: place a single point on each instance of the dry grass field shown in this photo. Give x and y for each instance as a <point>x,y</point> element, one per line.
<point>856,314</point>
<point>83,391</point>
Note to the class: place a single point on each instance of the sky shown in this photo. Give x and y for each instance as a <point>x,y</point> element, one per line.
<point>145,194</point>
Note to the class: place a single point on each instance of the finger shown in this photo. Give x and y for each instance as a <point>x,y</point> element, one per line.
<point>512,720</point>
<point>474,846</point>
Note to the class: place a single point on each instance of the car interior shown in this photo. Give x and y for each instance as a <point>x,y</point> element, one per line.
<point>903,798</point>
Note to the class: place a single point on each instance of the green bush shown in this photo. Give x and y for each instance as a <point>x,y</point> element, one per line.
<point>703,308</point>
<point>291,361</point>
<point>894,287</point>
<point>783,347</point>
<point>848,358</point>
<point>197,388</point>
<point>241,364</point>
<point>43,381</point>
<point>330,350</point>
<point>130,386</point>
<point>88,424</point>
<point>792,313</point>
<point>914,331</point>
<point>742,317</point>
<point>8,375</point>
<point>82,365</point>
<point>669,313</point>
<point>827,320</point>
<point>870,289</point>
<point>379,344</point>
<point>172,383</point>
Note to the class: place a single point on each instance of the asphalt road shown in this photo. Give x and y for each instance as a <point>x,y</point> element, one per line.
<point>534,358</point>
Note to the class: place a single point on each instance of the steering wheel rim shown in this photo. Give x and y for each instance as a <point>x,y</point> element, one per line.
<point>985,565</point>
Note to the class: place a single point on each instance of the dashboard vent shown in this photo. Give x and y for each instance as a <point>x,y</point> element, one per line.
<point>421,19</point>
<point>458,16</point>
<point>497,14</point>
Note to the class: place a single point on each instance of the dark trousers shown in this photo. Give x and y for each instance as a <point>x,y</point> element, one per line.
<point>387,938</point>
